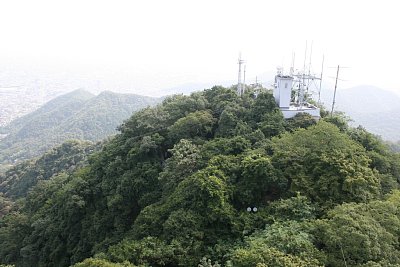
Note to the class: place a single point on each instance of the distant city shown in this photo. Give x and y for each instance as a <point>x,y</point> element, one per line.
<point>23,93</point>
<point>18,101</point>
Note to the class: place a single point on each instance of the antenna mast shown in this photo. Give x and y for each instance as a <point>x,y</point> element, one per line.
<point>301,87</point>
<point>320,81</point>
<point>292,67</point>
<point>244,77</point>
<point>309,66</point>
<point>298,80</point>
<point>239,87</point>
<point>334,94</point>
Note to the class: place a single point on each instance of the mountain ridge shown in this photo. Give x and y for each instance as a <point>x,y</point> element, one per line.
<point>75,115</point>
<point>210,177</point>
<point>372,107</point>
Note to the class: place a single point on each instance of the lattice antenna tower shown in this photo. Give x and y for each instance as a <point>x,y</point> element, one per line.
<point>301,87</point>
<point>309,67</point>
<point>240,85</point>
<point>304,78</point>
<point>292,66</point>
<point>244,77</point>
<point>320,80</point>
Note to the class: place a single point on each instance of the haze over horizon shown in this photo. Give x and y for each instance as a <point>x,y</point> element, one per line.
<point>148,46</point>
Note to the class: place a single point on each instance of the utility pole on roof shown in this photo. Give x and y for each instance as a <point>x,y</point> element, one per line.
<point>244,77</point>
<point>292,66</point>
<point>303,83</point>
<point>239,87</point>
<point>334,93</point>
<point>320,81</point>
<point>309,66</point>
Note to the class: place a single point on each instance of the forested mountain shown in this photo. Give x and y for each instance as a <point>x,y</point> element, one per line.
<point>374,108</point>
<point>49,114</point>
<point>76,115</point>
<point>65,158</point>
<point>213,177</point>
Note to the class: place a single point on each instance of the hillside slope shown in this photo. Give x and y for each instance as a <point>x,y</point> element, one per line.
<point>66,158</point>
<point>213,177</point>
<point>49,114</point>
<point>375,109</point>
<point>76,115</point>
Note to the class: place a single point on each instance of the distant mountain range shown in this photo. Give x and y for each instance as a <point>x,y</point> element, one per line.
<point>266,79</point>
<point>84,116</point>
<point>374,108</point>
<point>65,158</point>
<point>76,115</point>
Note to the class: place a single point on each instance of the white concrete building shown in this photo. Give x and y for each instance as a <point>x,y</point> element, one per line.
<point>283,96</point>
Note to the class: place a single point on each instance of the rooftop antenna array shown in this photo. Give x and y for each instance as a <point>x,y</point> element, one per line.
<point>320,81</point>
<point>292,67</point>
<point>301,88</point>
<point>334,92</point>
<point>309,67</point>
<point>244,76</point>
<point>303,78</point>
<point>240,87</point>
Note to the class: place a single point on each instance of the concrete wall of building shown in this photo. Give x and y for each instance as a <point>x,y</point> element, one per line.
<point>283,90</point>
<point>290,113</point>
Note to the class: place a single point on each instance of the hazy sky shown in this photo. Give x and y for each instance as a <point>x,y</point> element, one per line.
<point>166,43</point>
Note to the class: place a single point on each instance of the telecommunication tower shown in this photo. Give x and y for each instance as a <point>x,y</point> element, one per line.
<point>291,90</point>
<point>240,87</point>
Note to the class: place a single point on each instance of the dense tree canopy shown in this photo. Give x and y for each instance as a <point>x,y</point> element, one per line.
<point>210,179</point>
<point>76,115</point>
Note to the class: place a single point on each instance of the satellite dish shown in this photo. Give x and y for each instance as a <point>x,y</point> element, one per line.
<point>248,209</point>
<point>255,209</point>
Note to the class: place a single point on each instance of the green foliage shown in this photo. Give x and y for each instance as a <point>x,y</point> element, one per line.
<point>65,158</point>
<point>295,208</point>
<point>173,188</point>
<point>231,121</point>
<point>76,115</point>
<point>362,233</point>
<point>219,98</point>
<point>148,251</point>
<point>185,160</point>
<point>265,257</point>
<point>5,205</point>
<point>179,106</point>
<point>263,105</point>
<point>281,244</point>
<point>300,120</point>
<point>224,146</point>
<point>13,229</point>
<point>272,123</point>
<point>57,218</point>
<point>383,160</point>
<point>198,124</point>
<point>339,120</point>
<point>259,182</point>
<point>369,141</point>
<point>204,262</point>
<point>325,165</point>
<point>203,198</point>
<point>394,146</point>
<point>90,262</point>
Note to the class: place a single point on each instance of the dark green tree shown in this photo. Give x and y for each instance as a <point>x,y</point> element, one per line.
<point>325,165</point>
<point>362,233</point>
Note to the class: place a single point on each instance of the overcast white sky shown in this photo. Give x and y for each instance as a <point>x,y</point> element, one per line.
<point>166,43</point>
